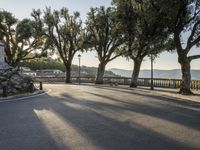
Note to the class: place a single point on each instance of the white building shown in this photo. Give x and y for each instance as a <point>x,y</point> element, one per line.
<point>49,72</point>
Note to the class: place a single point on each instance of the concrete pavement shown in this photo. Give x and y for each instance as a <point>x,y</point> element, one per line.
<point>99,117</point>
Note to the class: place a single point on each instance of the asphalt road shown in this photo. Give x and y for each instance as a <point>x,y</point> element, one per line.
<point>94,117</point>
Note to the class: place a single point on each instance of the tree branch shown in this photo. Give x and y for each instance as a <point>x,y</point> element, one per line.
<point>191,43</point>
<point>192,18</point>
<point>193,57</point>
<point>115,57</point>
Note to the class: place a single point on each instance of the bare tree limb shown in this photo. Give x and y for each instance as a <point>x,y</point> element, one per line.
<point>193,57</point>
<point>191,42</point>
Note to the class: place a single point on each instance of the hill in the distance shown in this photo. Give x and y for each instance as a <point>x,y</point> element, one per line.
<point>169,74</point>
<point>45,63</point>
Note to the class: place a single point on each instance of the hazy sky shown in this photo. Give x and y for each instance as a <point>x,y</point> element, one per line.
<point>23,8</point>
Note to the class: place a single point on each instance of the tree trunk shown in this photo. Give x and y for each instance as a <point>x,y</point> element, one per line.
<point>136,71</point>
<point>186,75</point>
<point>68,72</point>
<point>100,73</point>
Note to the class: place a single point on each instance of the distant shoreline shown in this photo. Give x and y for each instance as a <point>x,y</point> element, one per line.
<point>145,73</point>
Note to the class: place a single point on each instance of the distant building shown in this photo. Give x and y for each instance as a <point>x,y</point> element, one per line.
<point>30,73</point>
<point>75,73</point>
<point>49,73</point>
<point>27,71</point>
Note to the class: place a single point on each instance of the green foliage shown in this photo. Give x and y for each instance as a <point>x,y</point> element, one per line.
<point>102,34</point>
<point>24,30</point>
<point>144,32</point>
<point>44,63</point>
<point>182,17</point>
<point>21,39</point>
<point>63,32</point>
<point>126,19</point>
<point>7,19</point>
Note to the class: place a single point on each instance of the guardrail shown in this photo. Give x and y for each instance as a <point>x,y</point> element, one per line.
<point>158,82</point>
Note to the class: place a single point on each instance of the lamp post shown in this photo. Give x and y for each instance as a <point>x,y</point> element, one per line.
<point>2,57</point>
<point>79,69</point>
<point>152,87</point>
<point>20,66</point>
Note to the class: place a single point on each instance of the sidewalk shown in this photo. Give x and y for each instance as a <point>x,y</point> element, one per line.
<point>172,93</point>
<point>165,92</point>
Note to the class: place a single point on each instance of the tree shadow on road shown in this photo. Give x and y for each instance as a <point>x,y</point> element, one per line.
<point>106,132</point>
<point>180,101</point>
<point>89,118</point>
<point>177,113</point>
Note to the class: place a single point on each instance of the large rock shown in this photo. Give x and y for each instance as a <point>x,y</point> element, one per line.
<point>14,81</point>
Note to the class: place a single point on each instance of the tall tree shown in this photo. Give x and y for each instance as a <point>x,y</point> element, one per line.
<point>103,37</point>
<point>144,32</point>
<point>64,34</point>
<point>22,39</point>
<point>183,19</point>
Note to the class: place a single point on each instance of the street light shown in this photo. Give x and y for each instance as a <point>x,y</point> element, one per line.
<point>79,68</point>
<point>152,87</point>
<point>20,66</point>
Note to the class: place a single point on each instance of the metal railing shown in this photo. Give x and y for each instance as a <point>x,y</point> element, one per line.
<point>157,82</point>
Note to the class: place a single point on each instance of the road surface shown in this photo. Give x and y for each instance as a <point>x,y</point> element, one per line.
<point>90,117</point>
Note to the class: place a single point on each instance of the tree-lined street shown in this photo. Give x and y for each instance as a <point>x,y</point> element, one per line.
<point>96,106</point>
<point>132,29</point>
<point>99,117</point>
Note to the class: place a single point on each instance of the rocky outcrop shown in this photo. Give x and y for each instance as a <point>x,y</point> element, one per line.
<point>14,81</point>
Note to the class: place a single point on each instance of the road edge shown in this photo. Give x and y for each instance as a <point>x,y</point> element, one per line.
<point>24,96</point>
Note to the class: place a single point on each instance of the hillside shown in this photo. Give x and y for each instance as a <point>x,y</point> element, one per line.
<point>40,64</point>
<point>90,71</point>
<point>171,74</point>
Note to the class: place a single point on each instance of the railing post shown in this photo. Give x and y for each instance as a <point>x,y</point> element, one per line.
<point>174,84</point>
<point>124,81</point>
<point>31,87</point>
<point>5,91</point>
<point>41,86</point>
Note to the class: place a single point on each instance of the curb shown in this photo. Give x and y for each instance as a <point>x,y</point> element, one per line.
<point>23,96</point>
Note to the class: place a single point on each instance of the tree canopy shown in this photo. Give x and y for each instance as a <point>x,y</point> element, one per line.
<point>183,20</point>
<point>103,37</point>
<point>143,31</point>
<point>22,39</point>
<point>132,28</point>
<point>64,34</point>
